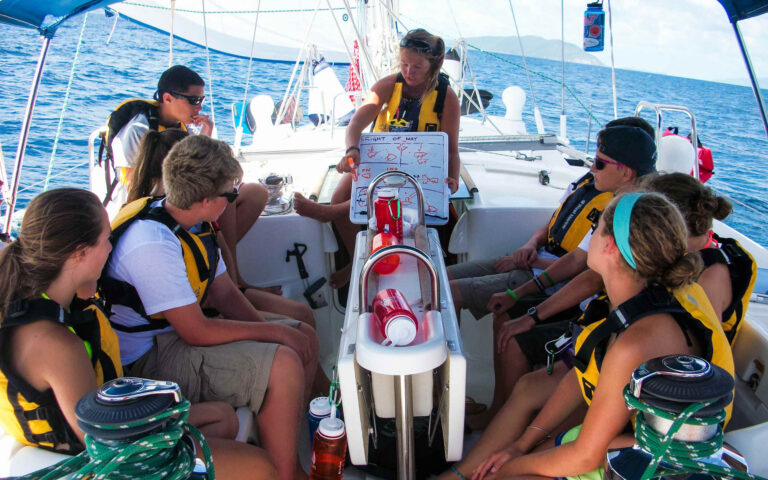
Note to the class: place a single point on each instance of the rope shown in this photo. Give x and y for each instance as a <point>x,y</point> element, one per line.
<point>162,454</point>
<point>613,66</point>
<point>170,34</point>
<point>542,75</point>
<point>186,10</point>
<point>64,105</point>
<point>682,456</point>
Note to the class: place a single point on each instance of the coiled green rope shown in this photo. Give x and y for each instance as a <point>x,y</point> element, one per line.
<point>682,456</point>
<point>162,454</point>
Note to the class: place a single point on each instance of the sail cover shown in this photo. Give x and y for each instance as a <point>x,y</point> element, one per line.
<point>280,33</point>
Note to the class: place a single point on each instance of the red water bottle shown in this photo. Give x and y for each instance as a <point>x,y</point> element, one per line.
<point>388,264</point>
<point>329,450</point>
<point>396,319</point>
<point>388,211</point>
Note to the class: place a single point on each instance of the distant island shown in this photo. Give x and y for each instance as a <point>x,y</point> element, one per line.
<point>534,47</point>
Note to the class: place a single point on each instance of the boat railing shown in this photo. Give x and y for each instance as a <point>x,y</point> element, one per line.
<point>658,110</point>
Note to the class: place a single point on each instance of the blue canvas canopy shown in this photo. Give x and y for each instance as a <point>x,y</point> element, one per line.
<point>743,9</point>
<point>45,16</point>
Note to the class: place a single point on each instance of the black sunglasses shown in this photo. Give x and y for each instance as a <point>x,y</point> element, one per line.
<point>414,44</point>
<point>192,99</point>
<point>600,163</point>
<point>230,196</point>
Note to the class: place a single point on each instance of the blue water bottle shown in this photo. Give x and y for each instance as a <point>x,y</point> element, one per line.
<point>594,23</point>
<point>319,408</point>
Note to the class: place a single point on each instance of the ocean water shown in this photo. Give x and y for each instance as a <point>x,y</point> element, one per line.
<point>127,66</point>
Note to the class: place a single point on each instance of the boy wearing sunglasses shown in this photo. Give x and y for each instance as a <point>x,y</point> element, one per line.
<point>165,264</point>
<point>178,102</point>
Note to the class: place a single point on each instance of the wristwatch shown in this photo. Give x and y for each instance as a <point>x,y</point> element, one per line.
<point>534,314</point>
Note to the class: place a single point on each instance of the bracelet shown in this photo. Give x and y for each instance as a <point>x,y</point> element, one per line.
<point>549,279</point>
<point>512,294</point>
<point>547,436</point>
<point>353,147</point>
<point>539,284</point>
<point>452,181</point>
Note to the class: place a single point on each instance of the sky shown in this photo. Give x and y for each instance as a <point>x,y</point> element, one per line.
<point>684,38</point>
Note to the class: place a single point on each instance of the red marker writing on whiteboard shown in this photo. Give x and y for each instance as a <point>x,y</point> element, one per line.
<point>351,163</point>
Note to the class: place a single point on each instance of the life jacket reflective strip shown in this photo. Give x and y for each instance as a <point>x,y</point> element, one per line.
<point>688,305</point>
<point>431,107</point>
<point>120,117</point>
<point>742,269</point>
<point>34,417</point>
<point>575,216</point>
<point>200,253</point>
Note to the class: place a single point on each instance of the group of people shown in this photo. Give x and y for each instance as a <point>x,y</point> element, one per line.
<point>174,307</point>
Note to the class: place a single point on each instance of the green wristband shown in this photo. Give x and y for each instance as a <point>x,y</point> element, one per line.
<point>549,279</point>
<point>512,294</point>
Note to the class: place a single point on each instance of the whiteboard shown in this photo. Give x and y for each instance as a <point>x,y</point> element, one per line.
<point>424,155</point>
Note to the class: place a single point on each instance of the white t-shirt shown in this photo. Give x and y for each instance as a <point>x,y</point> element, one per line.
<point>148,256</point>
<point>125,145</point>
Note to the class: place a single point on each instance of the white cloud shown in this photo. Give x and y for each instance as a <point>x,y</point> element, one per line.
<point>691,38</point>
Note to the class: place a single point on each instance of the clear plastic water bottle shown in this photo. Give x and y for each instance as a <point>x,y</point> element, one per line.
<point>329,450</point>
<point>396,319</point>
<point>319,408</point>
<point>594,27</point>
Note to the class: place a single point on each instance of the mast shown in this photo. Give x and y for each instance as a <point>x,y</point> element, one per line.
<point>752,77</point>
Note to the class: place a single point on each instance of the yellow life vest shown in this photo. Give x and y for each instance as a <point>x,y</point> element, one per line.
<point>120,117</point>
<point>742,269</point>
<point>575,216</point>
<point>688,305</point>
<point>429,114</point>
<point>33,417</point>
<point>199,250</point>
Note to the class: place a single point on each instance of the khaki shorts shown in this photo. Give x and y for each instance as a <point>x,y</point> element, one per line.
<point>236,373</point>
<point>478,281</point>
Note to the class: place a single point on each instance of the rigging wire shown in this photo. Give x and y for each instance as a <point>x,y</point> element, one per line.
<point>239,126</point>
<point>613,65</point>
<point>64,105</point>
<point>170,36</point>
<point>208,63</point>
<point>536,113</point>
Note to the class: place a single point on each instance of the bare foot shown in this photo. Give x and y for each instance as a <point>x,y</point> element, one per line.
<point>340,278</point>
<point>308,208</point>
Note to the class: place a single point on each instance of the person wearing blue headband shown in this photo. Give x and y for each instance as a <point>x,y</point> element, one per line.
<point>639,250</point>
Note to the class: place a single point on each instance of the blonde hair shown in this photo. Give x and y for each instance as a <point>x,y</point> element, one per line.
<point>658,240</point>
<point>199,167</point>
<point>697,202</point>
<point>435,56</point>
<point>56,223</point>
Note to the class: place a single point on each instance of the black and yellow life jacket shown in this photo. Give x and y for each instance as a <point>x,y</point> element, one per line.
<point>119,117</point>
<point>199,250</point>
<point>688,305</point>
<point>429,114</point>
<point>33,417</point>
<point>742,269</point>
<point>575,216</point>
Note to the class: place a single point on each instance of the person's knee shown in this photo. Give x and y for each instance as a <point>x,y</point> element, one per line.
<point>254,193</point>
<point>287,370</point>
<point>310,332</point>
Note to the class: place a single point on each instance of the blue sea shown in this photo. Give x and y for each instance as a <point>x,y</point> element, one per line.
<point>130,63</point>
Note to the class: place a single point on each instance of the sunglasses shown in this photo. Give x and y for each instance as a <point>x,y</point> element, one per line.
<point>414,44</point>
<point>600,163</point>
<point>230,196</point>
<point>192,99</point>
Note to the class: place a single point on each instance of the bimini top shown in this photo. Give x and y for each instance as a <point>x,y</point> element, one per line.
<point>45,17</point>
<point>742,9</point>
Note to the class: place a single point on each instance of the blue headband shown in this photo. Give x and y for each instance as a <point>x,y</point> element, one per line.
<point>621,219</point>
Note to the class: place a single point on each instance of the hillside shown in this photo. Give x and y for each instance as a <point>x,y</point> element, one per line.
<point>535,47</point>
